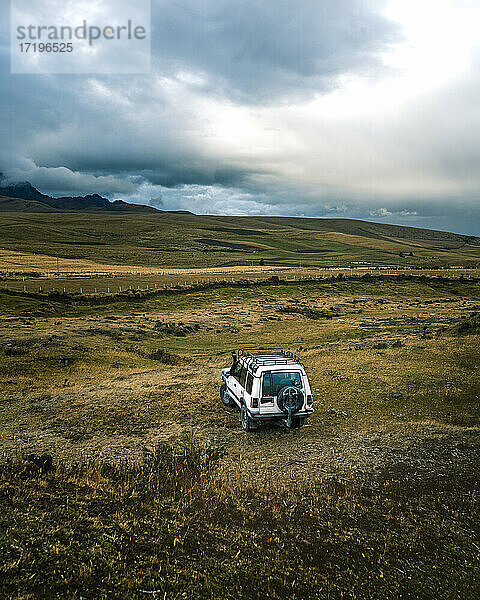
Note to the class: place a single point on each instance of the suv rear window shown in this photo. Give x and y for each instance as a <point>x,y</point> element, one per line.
<point>273,382</point>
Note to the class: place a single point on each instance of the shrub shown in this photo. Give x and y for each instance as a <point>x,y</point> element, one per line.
<point>165,357</point>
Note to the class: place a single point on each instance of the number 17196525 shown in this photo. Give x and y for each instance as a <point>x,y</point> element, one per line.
<point>46,47</point>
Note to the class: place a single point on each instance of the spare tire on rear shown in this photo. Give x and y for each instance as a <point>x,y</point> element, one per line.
<point>290,396</point>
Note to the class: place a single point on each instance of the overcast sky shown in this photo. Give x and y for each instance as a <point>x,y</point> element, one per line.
<point>338,108</point>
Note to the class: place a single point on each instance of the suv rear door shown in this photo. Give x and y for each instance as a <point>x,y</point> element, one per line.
<point>268,402</point>
<point>272,382</point>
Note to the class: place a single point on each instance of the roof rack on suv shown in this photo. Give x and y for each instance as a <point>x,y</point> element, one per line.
<point>261,358</point>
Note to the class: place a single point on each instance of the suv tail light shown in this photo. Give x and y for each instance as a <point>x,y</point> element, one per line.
<point>254,403</point>
<point>309,400</point>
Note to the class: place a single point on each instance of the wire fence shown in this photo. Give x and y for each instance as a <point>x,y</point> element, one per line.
<point>99,283</point>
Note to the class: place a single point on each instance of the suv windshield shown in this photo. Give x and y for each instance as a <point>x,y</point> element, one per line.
<point>275,381</point>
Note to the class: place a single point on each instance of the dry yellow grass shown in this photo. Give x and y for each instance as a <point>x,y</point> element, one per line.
<point>351,360</point>
<point>42,263</point>
<point>375,501</point>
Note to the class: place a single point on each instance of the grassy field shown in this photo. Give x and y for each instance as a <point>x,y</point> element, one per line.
<point>112,284</point>
<point>154,490</point>
<point>191,241</point>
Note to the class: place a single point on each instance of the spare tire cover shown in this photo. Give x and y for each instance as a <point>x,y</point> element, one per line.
<point>290,396</point>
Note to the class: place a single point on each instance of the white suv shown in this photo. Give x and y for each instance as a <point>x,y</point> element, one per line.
<point>267,385</point>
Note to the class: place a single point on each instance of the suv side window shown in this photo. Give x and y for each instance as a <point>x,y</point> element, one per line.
<point>243,375</point>
<point>249,383</point>
<point>236,370</point>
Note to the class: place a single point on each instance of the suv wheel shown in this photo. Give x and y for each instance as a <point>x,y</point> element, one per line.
<point>224,397</point>
<point>246,420</point>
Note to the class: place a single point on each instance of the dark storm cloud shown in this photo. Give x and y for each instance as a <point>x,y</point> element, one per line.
<point>259,51</point>
<point>175,175</point>
<point>263,50</point>
<point>172,138</point>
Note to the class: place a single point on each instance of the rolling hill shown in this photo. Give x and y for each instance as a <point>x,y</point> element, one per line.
<point>93,228</point>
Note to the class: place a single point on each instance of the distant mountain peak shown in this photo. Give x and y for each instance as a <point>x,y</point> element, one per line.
<point>24,190</point>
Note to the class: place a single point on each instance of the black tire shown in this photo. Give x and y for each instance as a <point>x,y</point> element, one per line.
<point>224,397</point>
<point>290,395</point>
<point>246,420</point>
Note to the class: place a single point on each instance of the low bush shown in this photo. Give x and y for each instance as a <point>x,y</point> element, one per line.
<point>177,526</point>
